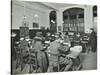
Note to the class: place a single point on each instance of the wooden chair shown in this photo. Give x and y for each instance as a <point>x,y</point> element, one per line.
<point>33,61</point>
<point>17,56</point>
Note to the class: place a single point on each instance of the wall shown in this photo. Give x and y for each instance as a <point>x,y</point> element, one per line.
<point>95,24</point>
<point>18,12</point>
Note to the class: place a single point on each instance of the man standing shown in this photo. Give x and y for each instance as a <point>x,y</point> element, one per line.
<point>92,40</point>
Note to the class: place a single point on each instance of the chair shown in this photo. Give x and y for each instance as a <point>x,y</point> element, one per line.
<point>17,56</point>
<point>33,61</point>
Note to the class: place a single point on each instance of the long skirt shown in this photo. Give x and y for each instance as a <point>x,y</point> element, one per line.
<point>42,59</point>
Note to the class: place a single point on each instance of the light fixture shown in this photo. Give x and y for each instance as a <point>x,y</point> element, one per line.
<point>36,15</point>
<point>53,21</point>
<point>36,18</point>
<point>24,21</point>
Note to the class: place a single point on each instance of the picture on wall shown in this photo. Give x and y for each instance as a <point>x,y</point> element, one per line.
<point>35,25</point>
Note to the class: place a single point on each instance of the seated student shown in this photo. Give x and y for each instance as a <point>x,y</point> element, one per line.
<point>41,57</point>
<point>23,45</point>
<point>48,36</point>
<point>66,38</point>
<point>53,54</point>
<point>65,62</point>
<point>65,44</point>
<point>54,60</point>
<point>52,37</point>
<point>23,53</point>
<point>60,35</point>
<point>77,39</point>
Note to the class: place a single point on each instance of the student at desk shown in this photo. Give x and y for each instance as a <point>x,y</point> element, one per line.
<point>77,39</point>
<point>53,54</point>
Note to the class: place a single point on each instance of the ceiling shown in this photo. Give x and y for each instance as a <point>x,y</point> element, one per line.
<point>39,5</point>
<point>60,5</point>
<point>50,6</point>
<point>45,6</point>
<point>56,6</point>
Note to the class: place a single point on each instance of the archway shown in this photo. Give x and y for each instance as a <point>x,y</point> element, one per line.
<point>95,18</point>
<point>53,22</point>
<point>73,19</point>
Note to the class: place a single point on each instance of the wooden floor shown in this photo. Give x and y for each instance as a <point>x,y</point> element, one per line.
<point>89,62</point>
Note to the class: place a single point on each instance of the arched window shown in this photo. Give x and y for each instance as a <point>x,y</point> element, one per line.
<point>53,24</point>
<point>73,19</point>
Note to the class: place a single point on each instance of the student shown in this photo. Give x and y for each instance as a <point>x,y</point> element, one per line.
<point>66,38</point>
<point>54,60</point>
<point>53,54</point>
<point>41,56</point>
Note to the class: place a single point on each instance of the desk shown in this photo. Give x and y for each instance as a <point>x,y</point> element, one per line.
<point>84,45</point>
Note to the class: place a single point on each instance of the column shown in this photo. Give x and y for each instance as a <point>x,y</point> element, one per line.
<point>59,21</point>
<point>68,22</point>
<point>88,18</point>
<point>77,23</point>
<point>48,19</point>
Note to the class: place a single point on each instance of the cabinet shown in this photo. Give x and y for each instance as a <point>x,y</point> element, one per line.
<point>74,25</point>
<point>24,31</point>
